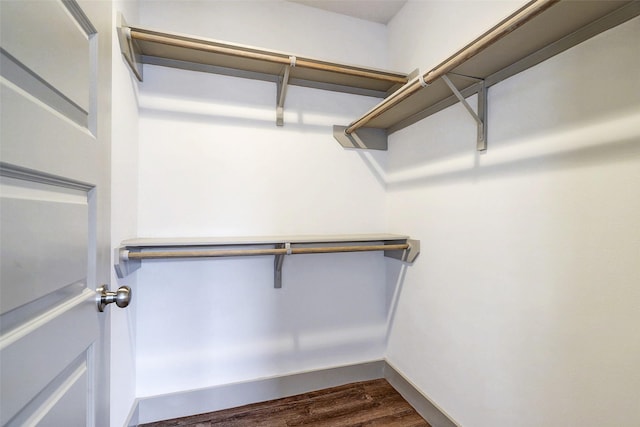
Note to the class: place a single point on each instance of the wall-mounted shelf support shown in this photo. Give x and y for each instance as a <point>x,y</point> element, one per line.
<point>130,254</point>
<point>481,116</point>
<point>483,111</point>
<point>282,85</point>
<point>277,265</point>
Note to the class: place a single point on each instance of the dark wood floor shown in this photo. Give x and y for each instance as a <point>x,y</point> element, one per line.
<point>369,403</point>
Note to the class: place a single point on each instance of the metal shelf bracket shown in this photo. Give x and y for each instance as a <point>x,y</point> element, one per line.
<point>480,116</point>
<point>282,86</point>
<point>277,265</point>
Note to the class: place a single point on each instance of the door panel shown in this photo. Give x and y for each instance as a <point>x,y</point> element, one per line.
<point>31,85</point>
<point>44,238</point>
<point>55,135</point>
<point>51,43</point>
<point>41,350</point>
<point>55,82</point>
<point>63,407</point>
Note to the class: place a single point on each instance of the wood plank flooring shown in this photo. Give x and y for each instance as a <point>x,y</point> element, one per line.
<point>368,403</point>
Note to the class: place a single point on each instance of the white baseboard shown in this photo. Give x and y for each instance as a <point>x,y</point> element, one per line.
<point>174,405</point>
<point>192,402</point>
<point>133,419</point>
<point>421,403</point>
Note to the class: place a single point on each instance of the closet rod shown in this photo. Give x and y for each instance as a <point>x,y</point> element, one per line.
<point>204,46</point>
<point>526,13</point>
<point>253,252</point>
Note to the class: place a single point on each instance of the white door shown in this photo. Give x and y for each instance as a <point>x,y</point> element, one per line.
<point>54,221</point>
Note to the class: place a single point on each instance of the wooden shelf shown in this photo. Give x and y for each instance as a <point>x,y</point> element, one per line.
<point>533,34</point>
<point>146,46</point>
<point>536,32</point>
<point>131,252</point>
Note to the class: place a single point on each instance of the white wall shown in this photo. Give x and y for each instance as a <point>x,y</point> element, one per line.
<point>275,25</point>
<point>424,33</point>
<point>522,309</point>
<point>124,206</point>
<point>212,162</point>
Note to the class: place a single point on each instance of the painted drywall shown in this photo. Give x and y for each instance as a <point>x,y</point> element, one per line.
<point>424,33</point>
<point>213,162</point>
<point>124,206</point>
<point>275,25</point>
<point>522,309</point>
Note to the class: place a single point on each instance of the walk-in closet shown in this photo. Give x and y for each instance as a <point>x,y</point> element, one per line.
<point>287,212</point>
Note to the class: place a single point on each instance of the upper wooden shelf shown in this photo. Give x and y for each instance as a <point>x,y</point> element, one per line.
<point>146,46</point>
<point>534,33</point>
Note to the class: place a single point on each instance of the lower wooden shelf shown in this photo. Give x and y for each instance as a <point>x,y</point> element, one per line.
<point>130,253</point>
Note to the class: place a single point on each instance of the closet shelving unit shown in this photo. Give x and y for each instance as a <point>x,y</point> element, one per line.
<point>534,33</point>
<point>146,46</point>
<point>132,252</point>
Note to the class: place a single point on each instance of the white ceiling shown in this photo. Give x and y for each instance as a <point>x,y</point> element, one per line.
<point>371,10</point>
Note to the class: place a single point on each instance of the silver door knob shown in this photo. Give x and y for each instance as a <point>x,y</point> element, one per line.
<point>121,297</point>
